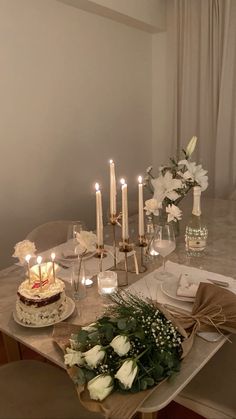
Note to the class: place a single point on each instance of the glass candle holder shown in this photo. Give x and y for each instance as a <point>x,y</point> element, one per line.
<point>107,282</point>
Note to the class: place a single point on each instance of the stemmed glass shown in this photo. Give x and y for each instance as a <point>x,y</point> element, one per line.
<point>163,243</point>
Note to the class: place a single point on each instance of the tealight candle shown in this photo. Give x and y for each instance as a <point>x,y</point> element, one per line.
<point>27,259</point>
<point>140,207</point>
<point>99,215</point>
<point>53,255</point>
<point>125,227</point>
<point>39,261</point>
<point>112,189</point>
<point>107,282</point>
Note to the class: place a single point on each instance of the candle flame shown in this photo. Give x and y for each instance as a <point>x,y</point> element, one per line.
<point>111,161</point>
<point>122,181</point>
<point>97,187</point>
<point>140,179</point>
<point>39,260</point>
<point>27,258</point>
<point>53,255</point>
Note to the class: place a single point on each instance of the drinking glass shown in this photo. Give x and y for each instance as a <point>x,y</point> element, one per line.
<point>78,284</point>
<point>163,243</point>
<point>107,284</point>
<point>73,229</point>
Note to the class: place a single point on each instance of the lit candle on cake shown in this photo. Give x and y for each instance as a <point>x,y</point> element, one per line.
<point>140,207</point>
<point>39,261</point>
<point>112,189</point>
<point>53,255</point>
<point>99,215</point>
<point>125,227</point>
<point>27,259</point>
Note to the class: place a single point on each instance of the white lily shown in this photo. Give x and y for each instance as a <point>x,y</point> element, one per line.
<point>195,173</point>
<point>87,241</point>
<point>191,146</point>
<point>24,248</point>
<point>174,213</point>
<point>165,187</point>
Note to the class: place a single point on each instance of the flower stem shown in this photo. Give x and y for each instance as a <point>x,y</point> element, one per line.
<point>142,353</point>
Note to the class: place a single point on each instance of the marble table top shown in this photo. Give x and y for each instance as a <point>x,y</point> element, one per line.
<point>220,257</point>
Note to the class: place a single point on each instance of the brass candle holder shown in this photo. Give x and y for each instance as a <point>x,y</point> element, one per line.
<point>126,247</point>
<point>114,221</point>
<point>100,254</point>
<point>142,243</point>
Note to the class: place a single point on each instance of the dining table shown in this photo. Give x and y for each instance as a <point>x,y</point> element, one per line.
<point>218,259</point>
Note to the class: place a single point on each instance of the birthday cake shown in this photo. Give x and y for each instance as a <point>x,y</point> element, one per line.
<point>41,301</point>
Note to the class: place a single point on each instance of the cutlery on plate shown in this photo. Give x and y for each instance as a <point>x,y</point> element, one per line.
<point>217,282</point>
<point>62,266</point>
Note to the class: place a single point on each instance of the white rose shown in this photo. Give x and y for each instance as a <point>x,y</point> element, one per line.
<point>87,241</point>
<point>90,328</point>
<point>100,387</point>
<point>191,147</point>
<point>151,207</point>
<point>94,356</point>
<point>73,357</point>
<point>121,345</point>
<point>127,373</point>
<point>24,248</point>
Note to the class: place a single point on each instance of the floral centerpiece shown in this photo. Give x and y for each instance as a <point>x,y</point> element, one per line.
<point>131,348</point>
<point>173,183</point>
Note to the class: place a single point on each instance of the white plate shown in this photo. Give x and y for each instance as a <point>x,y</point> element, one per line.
<point>70,306</point>
<point>169,287</point>
<point>74,258</point>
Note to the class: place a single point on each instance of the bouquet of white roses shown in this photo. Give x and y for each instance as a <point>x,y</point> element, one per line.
<point>173,183</point>
<point>132,348</point>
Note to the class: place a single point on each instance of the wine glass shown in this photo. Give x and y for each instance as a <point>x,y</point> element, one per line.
<point>163,243</point>
<point>73,228</point>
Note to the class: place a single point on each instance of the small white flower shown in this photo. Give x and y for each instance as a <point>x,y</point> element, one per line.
<point>174,213</point>
<point>90,328</point>
<point>195,173</point>
<point>100,387</point>
<point>73,357</point>
<point>127,373</point>
<point>24,248</point>
<point>87,241</point>
<point>151,207</point>
<point>94,356</point>
<point>165,187</point>
<point>121,345</point>
<point>191,146</point>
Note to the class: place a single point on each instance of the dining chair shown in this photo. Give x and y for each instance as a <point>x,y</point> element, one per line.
<point>49,234</point>
<point>34,390</point>
<point>211,393</point>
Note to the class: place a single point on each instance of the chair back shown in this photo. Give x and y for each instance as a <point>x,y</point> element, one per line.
<point>49,234</point>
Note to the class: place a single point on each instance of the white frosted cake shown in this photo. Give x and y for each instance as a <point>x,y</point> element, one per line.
<point>41,302</point>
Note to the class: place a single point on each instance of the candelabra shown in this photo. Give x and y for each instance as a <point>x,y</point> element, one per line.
<point>142,243</point>
<point>100,254</point>
<point>114,221</point>
<point>126,247</point>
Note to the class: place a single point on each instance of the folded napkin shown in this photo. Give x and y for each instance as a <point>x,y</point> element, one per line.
<point>187,286</point>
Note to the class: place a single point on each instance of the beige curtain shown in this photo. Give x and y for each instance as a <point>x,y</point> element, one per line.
<point>201,58</point>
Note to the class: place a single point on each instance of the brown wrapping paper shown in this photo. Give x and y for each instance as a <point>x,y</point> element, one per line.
<point>214,309</point>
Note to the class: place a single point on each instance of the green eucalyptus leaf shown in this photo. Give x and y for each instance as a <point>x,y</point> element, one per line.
<point>82,336</point>
<point>121,324</point>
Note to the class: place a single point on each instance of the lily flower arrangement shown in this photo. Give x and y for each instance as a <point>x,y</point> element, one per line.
<point>173,183</point>
<point>131,348</point>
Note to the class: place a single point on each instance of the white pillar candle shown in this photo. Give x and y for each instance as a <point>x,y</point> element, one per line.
<point>27,259</point>
<point>112,188</point>
<point>39,261</point>
<point>125,225</point>
<point>140,207</point>
<point>99,217</point>
<point>53,265</point>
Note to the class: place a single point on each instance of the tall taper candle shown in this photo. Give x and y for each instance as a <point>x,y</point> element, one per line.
<point>125,225</point>
<point>27,258</point>
<point>112,188</point>
<point>99,217</point>
<point>39,261</point>
<point>140,207</point>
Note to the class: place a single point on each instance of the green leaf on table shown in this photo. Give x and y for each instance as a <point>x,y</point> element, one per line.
<point>122,324</point>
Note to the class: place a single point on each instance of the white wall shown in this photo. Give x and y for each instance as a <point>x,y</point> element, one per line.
<point>149,15</point>
<point>75,91</point>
